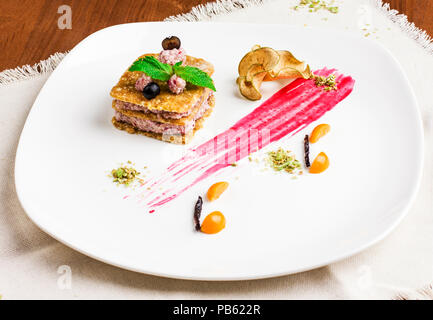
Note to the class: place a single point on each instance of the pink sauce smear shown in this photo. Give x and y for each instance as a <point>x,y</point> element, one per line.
<point>287,112</point>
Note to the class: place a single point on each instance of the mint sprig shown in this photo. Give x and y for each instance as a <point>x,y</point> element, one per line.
<point>163,71</point>
<point>194,75</point>
<point>153,68</point>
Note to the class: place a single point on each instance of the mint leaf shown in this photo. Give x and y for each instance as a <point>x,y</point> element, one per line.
<point>194,75</point>
<point>162,71</point>
<point>153,68</point>
<point>158,64</point>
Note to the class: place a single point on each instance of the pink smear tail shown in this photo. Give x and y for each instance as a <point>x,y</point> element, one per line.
<point>287,112</point>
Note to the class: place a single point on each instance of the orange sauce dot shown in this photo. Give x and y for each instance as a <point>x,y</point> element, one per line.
<point>213,223</point>
<point>320,131</point>
<point>320,164</point>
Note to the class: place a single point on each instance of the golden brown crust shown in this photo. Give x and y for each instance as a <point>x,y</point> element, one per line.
<point>180,139</point>
<point>166,100</point>
<point>155,117</point>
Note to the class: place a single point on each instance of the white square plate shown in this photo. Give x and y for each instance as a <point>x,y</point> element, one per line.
<point>275,225</point>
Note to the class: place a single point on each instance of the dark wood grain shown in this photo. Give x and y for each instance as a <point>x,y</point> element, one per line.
<point>29,31</point>
<point>418,11</point>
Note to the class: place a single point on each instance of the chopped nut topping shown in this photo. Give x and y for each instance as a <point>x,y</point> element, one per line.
<point>315,5</point>
<point>125,175</point>
<point>283,160</point>
<point>328,83</point>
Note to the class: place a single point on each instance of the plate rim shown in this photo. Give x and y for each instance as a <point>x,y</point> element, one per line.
<point>265,275</point>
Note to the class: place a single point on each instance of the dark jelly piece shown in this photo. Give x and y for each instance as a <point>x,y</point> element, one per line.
<point>197,213</point>
<point>307,151</point>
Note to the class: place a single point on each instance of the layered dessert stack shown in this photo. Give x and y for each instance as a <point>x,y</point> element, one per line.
<point>171,110</point>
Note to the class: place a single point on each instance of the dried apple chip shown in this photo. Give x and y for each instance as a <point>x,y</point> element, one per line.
<point>254,72</point>
<point>250,89</point>
<point>266,64</point>
<point>249,85</point>
<point>267,57</point>
<point>288,67</point>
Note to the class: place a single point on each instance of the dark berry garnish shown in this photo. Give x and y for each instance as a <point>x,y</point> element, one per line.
<point>170,43</point>
<point>151,91</point>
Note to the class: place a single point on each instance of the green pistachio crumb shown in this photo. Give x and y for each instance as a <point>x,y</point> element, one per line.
<point>283,160</point>
<point>329,83</point>
<point>124,175</point>
<point>316,5</point>
<point>333,9</point>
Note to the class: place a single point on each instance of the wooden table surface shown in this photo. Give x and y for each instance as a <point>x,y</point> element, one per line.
<point>29,28</point>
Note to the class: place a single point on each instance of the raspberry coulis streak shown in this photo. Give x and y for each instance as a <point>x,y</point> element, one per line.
<point>287,112</point>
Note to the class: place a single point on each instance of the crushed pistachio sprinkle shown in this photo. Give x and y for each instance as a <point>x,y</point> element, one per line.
<point>124,175</point>
<point>283,160</point>
<point>328,83</point>
<point>316,5</point>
